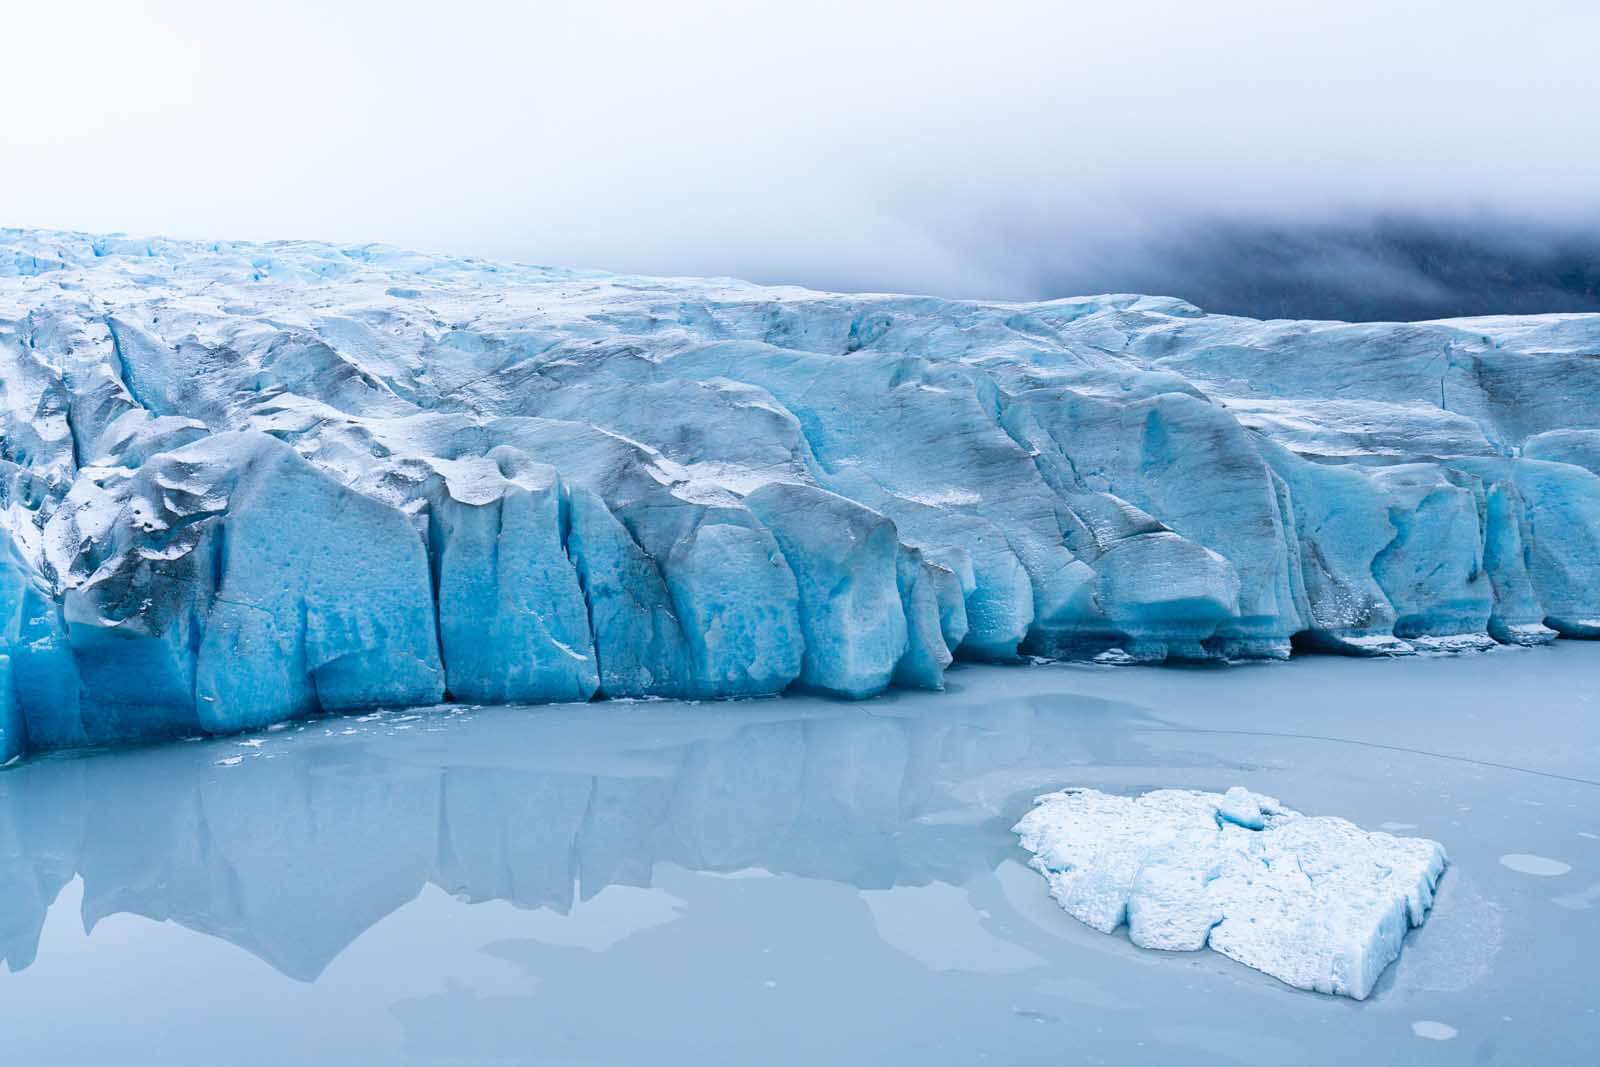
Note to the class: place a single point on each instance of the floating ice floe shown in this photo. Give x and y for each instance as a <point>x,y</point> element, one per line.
<point>1539,866</point>
<point>1314,901</point>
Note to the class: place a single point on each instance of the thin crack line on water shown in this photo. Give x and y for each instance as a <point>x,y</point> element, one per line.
<point>1376,744</point>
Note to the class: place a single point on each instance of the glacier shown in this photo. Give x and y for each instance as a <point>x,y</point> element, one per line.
<point>1316,902</point>
<point>244,483</point>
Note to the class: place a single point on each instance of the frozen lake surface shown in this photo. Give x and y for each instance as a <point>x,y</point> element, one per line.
<point>792,881</point>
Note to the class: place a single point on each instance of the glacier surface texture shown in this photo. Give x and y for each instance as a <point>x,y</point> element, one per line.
<point>1316,902</point>
<point>244,483</point>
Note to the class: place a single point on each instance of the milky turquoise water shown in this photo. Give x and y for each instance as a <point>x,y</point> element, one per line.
<point>795,881</point>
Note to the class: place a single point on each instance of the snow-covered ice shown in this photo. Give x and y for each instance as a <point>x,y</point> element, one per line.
<point>245,483</point>
<point>1312,900</point>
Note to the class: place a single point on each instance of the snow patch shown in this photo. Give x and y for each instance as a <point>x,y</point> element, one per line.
<point>942,498</point>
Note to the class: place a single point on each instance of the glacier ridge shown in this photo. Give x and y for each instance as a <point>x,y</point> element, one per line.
<point>243,483</point>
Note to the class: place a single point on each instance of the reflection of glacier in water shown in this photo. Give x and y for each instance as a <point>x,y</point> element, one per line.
<point>540,809</point>
<point>792,881</point>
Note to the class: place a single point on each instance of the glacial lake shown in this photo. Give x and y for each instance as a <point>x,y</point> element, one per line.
<point>793,881</point>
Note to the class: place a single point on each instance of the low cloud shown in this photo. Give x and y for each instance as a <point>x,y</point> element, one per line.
<point>1018,149</point>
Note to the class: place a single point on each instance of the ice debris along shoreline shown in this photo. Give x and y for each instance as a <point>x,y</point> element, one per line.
<point>245,483</point>
<point>1314,901</point>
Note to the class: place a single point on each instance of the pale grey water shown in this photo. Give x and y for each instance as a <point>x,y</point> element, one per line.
<point>794,881</point>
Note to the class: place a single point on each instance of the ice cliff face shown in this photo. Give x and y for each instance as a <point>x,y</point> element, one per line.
<point>243,483</point>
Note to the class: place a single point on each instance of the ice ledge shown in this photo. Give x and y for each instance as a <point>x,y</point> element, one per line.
<point>1314,901</point>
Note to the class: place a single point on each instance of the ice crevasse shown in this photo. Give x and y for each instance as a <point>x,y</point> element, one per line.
<point>244,483</point>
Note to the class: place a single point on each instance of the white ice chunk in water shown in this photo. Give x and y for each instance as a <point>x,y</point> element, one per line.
<point>1314,901</point>
<point>1538,866</point>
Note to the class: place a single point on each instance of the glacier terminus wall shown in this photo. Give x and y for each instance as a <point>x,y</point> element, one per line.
<point>245,483</point>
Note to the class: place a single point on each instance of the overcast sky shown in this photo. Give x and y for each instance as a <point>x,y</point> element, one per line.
<point>959,148</point>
